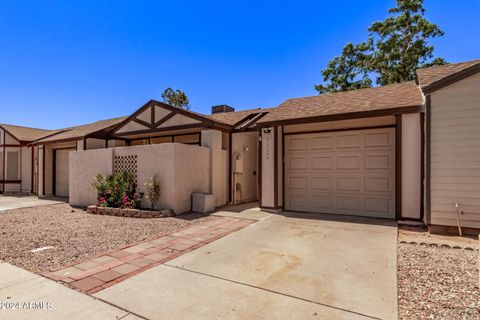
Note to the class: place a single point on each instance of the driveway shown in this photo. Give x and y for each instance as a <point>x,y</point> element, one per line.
<point>11,202</point>
<point>282,267</point>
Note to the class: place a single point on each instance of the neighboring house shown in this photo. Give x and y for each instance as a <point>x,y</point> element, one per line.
<point>407,151</point>
<point>17,159</point>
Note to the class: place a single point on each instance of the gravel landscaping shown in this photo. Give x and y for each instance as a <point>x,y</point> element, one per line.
<point>74,234</point>
<point>437,278</point>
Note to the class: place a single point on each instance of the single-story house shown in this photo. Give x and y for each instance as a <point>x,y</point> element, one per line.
<point>408,151</point>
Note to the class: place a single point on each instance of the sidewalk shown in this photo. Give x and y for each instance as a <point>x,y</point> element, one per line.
<point>110,268</point>
<point>25,295</point>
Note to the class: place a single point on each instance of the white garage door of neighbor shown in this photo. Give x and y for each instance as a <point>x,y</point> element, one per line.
<point>347,172</point>
<point>62,172</point>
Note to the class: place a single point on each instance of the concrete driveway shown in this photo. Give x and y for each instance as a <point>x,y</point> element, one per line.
<point>11,202</point>
<point>282,267</point>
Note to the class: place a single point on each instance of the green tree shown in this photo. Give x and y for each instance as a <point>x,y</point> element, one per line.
<point>395,48</point>
<point>176,98</point>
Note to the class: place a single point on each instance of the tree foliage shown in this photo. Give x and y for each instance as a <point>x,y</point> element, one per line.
<point>395,48</point>
<point>176,98</point>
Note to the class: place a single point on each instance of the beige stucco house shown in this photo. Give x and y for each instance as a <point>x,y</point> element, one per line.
<point>407,152</point>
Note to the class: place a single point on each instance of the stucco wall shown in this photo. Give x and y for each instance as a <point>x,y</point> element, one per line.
<point>84,167</point>
<point>268,159</point>
<point>248,179</point>
<point>411,165</point>
<point>455,153</point>
<point>181,170</point>
<point>212,139</point>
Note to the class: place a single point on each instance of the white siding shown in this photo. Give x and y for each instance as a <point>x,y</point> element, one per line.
<point>455,153</point>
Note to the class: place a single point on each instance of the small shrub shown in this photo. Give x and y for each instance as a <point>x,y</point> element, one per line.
<point>116,191</point>
<point>153,191</point>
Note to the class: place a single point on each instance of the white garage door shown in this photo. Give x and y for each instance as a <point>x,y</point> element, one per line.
<point>61,172</point>
<point>348,172</point>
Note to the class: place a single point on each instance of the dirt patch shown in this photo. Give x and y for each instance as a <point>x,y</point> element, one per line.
<point>437,277</point>
<point>74,234</point>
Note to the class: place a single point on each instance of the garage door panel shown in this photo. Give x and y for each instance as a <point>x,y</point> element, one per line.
<point>349,183</point>
<point>321,202</point>
<point>378,139</point>
<point>349,162</point>
<point>349,173</point>
<point>377,205</point>
<point>321,183</point>
<point>379,183</point>
<point>321,162</point>
<point>298,144</point>
<point>348,140</point>
<point>379,160</point>
<point>348,203</point>
<point>298,182</point>
<point>297,163</point>
<point>321,143</point>
<point>298,201</point>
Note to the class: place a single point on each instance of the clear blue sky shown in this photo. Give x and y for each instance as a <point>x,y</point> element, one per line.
<point>65,63</point>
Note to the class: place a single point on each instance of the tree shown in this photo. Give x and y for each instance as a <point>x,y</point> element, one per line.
<point>176,98</point>
<point>395,48</point>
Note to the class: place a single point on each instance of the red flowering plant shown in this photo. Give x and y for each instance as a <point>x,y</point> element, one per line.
<point>116,191</point>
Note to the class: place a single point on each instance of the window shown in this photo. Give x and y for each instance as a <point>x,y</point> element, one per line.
<point>188,139</point>
<point>140,142</point>
<point>12,165</point>
<point>158,140</point>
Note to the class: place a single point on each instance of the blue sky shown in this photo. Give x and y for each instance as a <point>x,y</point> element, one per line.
<point>65,63</point>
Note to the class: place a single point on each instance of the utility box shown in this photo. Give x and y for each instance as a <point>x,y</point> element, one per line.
<point>203,202</point>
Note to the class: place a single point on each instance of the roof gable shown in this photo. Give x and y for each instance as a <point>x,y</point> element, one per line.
<point>435,78</point>
<point>157,116</point>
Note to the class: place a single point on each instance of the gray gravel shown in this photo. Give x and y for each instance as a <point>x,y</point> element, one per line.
<point>74,234</point>
<point>437,282</point>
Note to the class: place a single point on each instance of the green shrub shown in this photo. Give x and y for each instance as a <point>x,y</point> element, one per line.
<point>116,191</point>
<point>153,191</point>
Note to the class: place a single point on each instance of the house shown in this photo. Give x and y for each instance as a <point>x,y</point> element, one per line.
<point>407,151</point>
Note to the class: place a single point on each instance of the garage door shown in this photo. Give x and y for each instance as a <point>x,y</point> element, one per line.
<point>348,172</point>
<point>61,172</point>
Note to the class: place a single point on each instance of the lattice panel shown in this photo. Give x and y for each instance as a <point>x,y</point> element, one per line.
<point>127,163</point>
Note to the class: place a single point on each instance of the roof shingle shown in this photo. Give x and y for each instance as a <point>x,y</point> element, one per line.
<point>26,134</point>
<point>430,76</point>
<point>82,131</point>
<point>393,96</point>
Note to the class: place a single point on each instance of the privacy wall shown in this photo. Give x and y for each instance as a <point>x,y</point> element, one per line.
<point>181,169</point>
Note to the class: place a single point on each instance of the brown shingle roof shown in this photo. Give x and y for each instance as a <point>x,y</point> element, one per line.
<point>232,118</point>
<point>26,134</point>
<point>392,96</point>
<point>82,131</point>
<point>428,77</point>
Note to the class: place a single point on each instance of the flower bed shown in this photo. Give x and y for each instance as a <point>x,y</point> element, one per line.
<point>134,213</point>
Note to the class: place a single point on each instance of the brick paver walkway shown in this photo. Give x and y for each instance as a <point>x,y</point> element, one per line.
<point>107,269</point>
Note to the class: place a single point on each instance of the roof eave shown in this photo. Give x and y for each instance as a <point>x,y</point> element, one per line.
<point>344,116</point>
<point>451,79</point>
